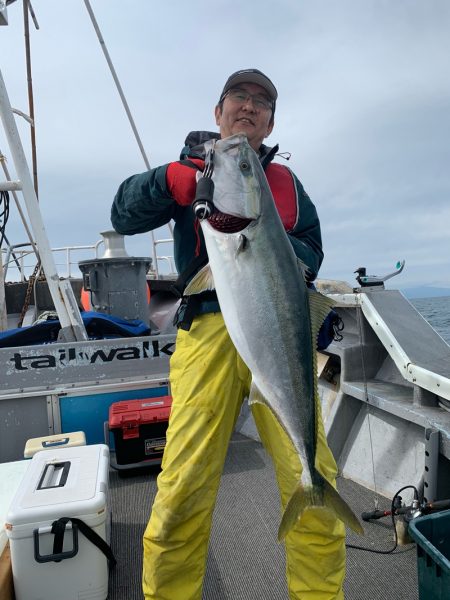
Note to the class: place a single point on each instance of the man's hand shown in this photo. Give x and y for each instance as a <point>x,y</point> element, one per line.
<point>182,180</point>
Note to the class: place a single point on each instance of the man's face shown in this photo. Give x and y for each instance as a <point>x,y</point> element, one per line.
<point>247,117</point>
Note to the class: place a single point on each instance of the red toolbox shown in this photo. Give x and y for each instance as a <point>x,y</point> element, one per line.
<point>139,429</point>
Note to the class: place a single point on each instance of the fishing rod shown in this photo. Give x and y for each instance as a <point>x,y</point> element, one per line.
<point>414,510</point>
<point>129,116</point>
<point>397,508</point>
<point>203,202</point>
<point>407,513</point>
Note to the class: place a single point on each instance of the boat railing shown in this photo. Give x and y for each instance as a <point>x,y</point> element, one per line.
<point>15,259</point>
<point>168,259</point>
<point>20,259</point>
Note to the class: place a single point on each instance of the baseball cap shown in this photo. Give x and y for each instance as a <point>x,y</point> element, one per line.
<point>251,76</point>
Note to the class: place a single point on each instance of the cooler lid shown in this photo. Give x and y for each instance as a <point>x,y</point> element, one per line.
<point>65,482</point>
<point>50,442</point>
<point>128,413</point>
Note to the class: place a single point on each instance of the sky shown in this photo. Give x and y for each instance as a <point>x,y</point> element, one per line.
<point>364,110</point>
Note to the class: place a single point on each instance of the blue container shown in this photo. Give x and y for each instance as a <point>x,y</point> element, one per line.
<point>432,535</point>
<point>89,413</point>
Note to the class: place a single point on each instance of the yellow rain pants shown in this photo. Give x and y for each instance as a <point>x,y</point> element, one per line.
<point>209,382</point>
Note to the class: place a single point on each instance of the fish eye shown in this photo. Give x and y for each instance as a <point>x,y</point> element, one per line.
<point>244,166</point>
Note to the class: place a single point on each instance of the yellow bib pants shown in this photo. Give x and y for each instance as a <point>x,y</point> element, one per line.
<point>209,382</point>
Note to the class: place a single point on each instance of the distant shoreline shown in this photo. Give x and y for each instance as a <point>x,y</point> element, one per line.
<point>425,292</point>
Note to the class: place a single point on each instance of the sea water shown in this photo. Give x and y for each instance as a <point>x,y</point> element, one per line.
<point>437,312</point>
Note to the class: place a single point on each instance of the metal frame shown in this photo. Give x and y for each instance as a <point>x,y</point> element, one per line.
<point>72,326</point>
<point>433,382</point>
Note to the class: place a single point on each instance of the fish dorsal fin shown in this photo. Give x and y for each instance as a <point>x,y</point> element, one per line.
<point>202,281</point>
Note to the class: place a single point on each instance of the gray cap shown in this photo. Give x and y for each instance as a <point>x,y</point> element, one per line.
<point>250,76</point>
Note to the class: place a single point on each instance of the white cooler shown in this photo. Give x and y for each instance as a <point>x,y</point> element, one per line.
<point>70,482</point>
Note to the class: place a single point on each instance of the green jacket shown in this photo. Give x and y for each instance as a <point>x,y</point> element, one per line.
<point>143,203</point>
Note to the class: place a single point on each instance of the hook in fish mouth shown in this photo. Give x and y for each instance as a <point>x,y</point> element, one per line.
<point>227,223</point>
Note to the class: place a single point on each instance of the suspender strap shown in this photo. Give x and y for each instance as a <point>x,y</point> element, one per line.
<point>190,308</point>
<point>189,163</point>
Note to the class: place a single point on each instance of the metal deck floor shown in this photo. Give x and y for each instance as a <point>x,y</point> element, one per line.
<point>245,562</point>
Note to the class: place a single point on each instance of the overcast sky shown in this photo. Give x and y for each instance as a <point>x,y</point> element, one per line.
<point>364,109</point>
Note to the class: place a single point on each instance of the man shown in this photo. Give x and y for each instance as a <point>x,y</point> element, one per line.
<point>208,378</point>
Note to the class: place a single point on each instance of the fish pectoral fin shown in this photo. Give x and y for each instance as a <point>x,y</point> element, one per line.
<point>333,501</point>
<point>242,244</point>
<point>323,495</point>
<point>202,281</point>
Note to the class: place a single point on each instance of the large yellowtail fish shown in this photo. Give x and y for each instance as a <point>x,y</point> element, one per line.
<point>272,317</point>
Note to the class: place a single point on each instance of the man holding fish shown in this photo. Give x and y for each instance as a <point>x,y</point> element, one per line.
<point>244,265</point>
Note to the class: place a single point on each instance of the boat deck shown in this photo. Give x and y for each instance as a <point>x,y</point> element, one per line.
<point>245,562</point>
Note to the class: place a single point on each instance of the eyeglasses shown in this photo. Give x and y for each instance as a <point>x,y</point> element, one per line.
<point>259,101</point>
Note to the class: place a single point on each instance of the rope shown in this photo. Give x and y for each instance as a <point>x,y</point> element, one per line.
<point>30,286</point>
<point>4,214</point>
<point>366,395</point>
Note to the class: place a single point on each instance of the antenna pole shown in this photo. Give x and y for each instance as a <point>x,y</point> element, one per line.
<point>26,8</point>
<point>117,82</point>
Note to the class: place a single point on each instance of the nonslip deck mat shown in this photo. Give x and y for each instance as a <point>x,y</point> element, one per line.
<point>245,561</point>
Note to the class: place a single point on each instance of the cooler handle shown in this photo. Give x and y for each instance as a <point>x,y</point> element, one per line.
<point>55,556</point>
<point>55,475</point>
<point>60,442</point>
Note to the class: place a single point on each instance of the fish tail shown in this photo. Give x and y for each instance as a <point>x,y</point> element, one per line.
<point>320,495</point>
<point>302,498</point>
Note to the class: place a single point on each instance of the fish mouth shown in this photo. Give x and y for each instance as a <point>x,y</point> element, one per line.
<point>226,223</point>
